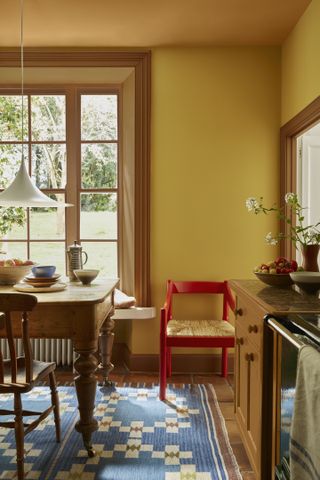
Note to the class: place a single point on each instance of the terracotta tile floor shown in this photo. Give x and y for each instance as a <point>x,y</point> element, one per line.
<point>223,388</point>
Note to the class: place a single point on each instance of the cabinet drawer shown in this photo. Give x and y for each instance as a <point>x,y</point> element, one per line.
<point>249,316</point>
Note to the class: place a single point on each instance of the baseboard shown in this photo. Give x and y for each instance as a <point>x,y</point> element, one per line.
<point>181,363</point>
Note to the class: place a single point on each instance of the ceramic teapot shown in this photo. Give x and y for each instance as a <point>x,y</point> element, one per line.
<point>75,261</point>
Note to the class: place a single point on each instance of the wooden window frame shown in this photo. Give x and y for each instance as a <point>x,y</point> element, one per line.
<point>75,165</point>
<point>301,122</point>
<point>140,61</point>
<point>28,92</point>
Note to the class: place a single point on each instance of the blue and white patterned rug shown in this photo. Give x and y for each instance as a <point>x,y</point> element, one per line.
<point>139,437</point>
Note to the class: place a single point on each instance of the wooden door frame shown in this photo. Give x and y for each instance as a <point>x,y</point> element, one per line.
<point>301,122</point>
<point>141,62</point>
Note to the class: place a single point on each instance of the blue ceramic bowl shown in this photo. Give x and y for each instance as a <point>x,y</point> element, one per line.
<point>43,270</point>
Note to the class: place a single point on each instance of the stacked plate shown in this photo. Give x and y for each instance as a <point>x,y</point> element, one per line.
<point>41,281</point>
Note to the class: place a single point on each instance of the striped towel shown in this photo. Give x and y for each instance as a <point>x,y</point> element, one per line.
<point>305,428</point>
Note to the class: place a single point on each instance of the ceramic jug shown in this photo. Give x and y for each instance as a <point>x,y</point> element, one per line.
<point>75,262</point>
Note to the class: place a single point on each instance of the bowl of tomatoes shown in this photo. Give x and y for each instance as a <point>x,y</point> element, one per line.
<point>276,273</point>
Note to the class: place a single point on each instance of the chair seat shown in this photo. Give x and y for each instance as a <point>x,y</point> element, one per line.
<point>40,370</point>
<point>199,328</point>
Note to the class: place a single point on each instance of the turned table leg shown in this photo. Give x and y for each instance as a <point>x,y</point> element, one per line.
<point>86,383</point>
<point>106,338</point>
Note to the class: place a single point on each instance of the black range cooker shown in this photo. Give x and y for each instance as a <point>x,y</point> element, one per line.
<point>295,331</point>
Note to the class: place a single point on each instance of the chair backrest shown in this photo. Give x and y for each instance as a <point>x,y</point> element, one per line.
<point>191,287</point>
<point>9,303</point>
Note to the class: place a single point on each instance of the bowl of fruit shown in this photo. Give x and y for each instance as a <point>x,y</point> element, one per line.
<point>12,270</point>
<point>277,272</point>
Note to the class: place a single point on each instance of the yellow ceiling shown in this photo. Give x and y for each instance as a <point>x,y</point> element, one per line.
<point>149,23</point>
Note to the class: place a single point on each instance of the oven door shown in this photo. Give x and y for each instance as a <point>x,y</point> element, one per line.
<point>288,339</point>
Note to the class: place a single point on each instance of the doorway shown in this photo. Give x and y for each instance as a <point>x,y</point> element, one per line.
<point>308,175</point>
<point>300,168</point>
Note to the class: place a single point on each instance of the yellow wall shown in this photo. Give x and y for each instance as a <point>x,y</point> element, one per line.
<point>301,63</point>
<point>215,129</point>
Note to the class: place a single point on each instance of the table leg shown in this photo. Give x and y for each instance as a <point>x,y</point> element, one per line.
<point>86,383</point>
<point>106,338</point>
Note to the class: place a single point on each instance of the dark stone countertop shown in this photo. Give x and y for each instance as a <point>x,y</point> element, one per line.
<point>278,300</point>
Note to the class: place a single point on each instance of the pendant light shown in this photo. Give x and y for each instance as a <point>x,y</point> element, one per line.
<point>22,192</point>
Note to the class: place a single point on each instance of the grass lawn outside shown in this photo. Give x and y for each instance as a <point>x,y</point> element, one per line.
<point>47,226</point>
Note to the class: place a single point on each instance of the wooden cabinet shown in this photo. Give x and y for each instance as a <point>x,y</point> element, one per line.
<point>256,367</point>
<point>248,377</point>
<point>248,399</point>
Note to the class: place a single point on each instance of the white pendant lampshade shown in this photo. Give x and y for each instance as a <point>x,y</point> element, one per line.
<point>22,192</point>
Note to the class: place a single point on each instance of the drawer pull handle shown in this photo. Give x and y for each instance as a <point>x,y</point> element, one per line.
<point>239,312</point>
<point>240,341</point>
<point>253,328</point>
<point>249,357</point>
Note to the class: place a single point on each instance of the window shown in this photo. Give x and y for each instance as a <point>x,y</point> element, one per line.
<point>131,71</point>
<point>293,176</point>
<point>88,154</point>
<point>99,195</point>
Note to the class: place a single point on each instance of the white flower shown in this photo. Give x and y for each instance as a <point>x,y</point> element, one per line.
<point>296,229</point>
<point>313,235</point>
<point>290,198</point>
<point>270,239</point>
<point>252,205</point>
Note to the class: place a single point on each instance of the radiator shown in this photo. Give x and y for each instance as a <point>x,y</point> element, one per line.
<point>46,350</point>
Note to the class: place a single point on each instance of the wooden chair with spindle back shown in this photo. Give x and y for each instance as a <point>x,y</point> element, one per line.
<point>18,375</point>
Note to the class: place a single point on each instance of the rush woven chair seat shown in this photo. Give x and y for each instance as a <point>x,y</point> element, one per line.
<point>194,333</point>
<point>199,328</point>
<point>19,374</point>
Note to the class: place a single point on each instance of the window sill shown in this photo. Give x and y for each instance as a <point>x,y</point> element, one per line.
<point>134,313</point>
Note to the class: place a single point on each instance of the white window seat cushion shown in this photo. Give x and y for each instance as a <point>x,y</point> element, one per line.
<point>125,308</point>
<point>122,300</point>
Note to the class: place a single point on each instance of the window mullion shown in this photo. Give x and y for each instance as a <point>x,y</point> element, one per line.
<point>29,168</point>
<point>72,121</point>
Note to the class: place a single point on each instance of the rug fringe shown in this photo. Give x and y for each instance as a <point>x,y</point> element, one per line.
<point>129,384</point>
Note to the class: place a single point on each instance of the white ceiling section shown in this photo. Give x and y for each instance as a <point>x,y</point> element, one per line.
<point>148,23</point>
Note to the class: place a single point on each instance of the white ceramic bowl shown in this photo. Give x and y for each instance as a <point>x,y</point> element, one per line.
<point>85,275</point>
<point>307,281</point>
<point>12,275</point>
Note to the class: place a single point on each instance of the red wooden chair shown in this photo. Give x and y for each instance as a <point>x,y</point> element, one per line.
<point>194,333</point>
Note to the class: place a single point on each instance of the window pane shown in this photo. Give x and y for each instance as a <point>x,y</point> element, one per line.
<point>10,158</point>
<point>49,167</point>
<point>102,256</point>
<point>48,222</point>
<point>99,117</point>
<point>99,165</point>
<point>98,216</point>
<point>48,117</point>
<point>10,118</point>
<point>16,250</point>
<point>17,231</point>
<point>47,253</point>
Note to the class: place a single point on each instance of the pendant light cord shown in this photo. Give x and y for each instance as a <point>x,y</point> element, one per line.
<point>22,73</point>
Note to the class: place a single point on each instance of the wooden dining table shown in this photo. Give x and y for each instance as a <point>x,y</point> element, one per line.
<point>83,314</point>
